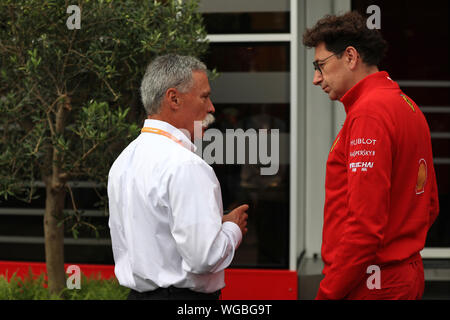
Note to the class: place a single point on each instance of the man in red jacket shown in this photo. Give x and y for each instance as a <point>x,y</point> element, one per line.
<point>381,192</point>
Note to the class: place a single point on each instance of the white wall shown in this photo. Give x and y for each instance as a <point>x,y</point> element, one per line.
<point>323,121</point>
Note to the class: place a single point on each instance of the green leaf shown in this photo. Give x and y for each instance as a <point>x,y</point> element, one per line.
<point>75,233</point>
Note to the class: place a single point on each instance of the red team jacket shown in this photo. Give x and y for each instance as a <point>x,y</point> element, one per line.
<point>381,193</point>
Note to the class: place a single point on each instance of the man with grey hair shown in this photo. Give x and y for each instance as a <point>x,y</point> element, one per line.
<point>169,236</point>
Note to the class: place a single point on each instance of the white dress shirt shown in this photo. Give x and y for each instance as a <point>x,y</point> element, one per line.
<point>165,207</point>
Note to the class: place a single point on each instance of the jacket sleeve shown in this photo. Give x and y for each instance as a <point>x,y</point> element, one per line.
<point>369,164</point>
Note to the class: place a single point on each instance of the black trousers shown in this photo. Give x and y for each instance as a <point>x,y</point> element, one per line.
<point>172,293</point>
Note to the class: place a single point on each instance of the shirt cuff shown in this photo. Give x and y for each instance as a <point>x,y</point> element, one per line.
<point>233,230</point>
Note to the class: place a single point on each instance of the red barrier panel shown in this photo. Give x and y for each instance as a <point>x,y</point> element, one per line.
<point>241,284</point>
<point>23,269</point>
<point>260,284</point>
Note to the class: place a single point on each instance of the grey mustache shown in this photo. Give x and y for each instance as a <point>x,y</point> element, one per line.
<point>209,119</point>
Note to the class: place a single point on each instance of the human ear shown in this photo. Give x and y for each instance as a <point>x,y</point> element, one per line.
<point>172,97</point>
<point>351,57</point>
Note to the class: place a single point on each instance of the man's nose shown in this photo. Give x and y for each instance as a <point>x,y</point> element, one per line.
<point>211,108</point>
<point>317,78</point>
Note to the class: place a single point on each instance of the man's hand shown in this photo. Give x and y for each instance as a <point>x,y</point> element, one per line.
<point>238,216</point>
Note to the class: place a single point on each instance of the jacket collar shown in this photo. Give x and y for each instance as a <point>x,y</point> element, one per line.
<point>369,83</point>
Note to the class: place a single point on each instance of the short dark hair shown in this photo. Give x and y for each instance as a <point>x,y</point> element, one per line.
<point>349,29</point>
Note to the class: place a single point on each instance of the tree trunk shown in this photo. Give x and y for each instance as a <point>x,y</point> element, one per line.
<point>54,237</point>
<point>54,205</point>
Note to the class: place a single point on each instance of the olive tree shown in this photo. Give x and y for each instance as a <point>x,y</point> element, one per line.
<point>69,94</point>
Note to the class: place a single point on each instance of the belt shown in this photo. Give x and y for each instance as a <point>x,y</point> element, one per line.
<point>173,293</point>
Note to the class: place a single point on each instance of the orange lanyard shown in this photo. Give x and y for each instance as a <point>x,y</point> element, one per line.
<point>162,133</point>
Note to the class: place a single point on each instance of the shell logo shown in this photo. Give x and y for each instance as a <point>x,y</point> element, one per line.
<point>421,176</point>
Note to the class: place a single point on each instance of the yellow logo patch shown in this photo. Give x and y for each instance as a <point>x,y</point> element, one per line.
<point>334,144</point>
<point>408,102</point>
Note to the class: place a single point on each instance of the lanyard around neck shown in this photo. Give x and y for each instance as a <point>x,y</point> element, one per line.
<point>162,133</point>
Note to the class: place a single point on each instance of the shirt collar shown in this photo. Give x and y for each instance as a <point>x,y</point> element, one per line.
<point>372,81</point>
<point>177,133</point>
